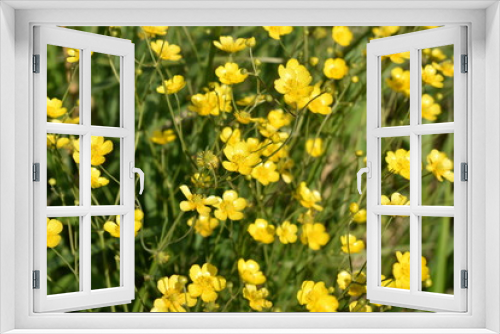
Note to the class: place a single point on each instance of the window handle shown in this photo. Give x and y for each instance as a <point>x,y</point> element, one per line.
<point>368,171</point>
<point>139,171</point>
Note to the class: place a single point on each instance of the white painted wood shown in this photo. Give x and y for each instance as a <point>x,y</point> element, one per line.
<point>86,298</point>
<point>414,42</point>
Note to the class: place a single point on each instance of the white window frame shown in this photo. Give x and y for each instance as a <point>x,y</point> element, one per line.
<point>484,103</point>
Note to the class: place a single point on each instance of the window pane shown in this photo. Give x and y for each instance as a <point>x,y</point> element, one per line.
<point>437,84</point>
<point>105,89</point>
<point>437,251</point>
<point>395,170</point>
<point>395,264</point>
<point>63,91</point>
<point>63,255</point>
<point>63,174</point>
<point>105,170</point>
<point>105,241</point>
<point>395,90</point>
<point>437,169</point>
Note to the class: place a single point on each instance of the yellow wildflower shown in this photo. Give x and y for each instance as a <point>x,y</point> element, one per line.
<point>401,270</point>
<point>174,298</point>
<point>73,55</point>
<point>385,31</point>
<point>114,228</point>
<point>313,61</point>
<point>266,173</point>
<point>203,225</point>
<point>359,216</point>
<point>399,162</point>
<point>172,86</point>
<point>342,35</point>
<point>205,104</point>
<point>201,180</point>
<point>96,180</point>
<point>262,231</point>
<point>398,58</point>
<point>55,108</point>
<point>250,100</point>
<point>54,228</point>
<point>343,279</point>
<point>314,147</point>
<point>230,206</point>
<point>166,51</point>
<point>256,297</point>
<point>446,67</point>
<point>294,83</point>
<point>206,283</point>
<point>196,202</point>
<point>278,118</point>
<point>230,74</point>
<point>358,307</point>
<point>228,44</point>
<point>435,53</point>
<point>250,272</point>
<point>399,81</point>
<point>316,297</point>
<point>326,303</point>
<point>335,68</point>
<point>314,235</point>
<point>396,199</point>
<point>440,165</point>
<point>350,245</point>
<point>430,110</point>
<point>357,285</point>
<point>241,158</point>
<point>230,136</point>
<point>276,32</point>
<point>52,140</point>
<point>287,232</point>
<point>309,198</point>
<point>320,103</point>
<point>153,31</point>
<point>98,147</point>
<point>431,77</point>
<point>163,137</point>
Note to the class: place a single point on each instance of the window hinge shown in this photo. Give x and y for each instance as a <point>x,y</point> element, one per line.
<point>464,172</point>
<point>464,279</point>
<point>36,279</point>
<point>36,63</point>
<point>465,64</point>
<point>36,172</point>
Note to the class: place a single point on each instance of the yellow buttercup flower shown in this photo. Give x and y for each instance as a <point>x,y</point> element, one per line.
<point>240,158</point>
<point>249,272</point>
<point>172,86</point>
<point>98,147</point>
<point>205,104</point>
<point>398,58</point>
<point>435,53</point>
<point>343,279</point>
<point>327,303</point>
<point>314,147</point>
<point>316,297</point>
<point>440,165</point>
<point>399,81</point>
<point>320,103</point>
<point>96,180</point>
<point>357,285</point>
<point>230,206</point>
<point>54,228</point>
<point>224,96</point>
<point>163,137</point>
<point>196,201</point>
<point>399,162</point>
<point>256,297</point>
<point>396,199</point>
<point>401,270</point>
<point>278,118</point>
<point>153,31</point>
<point>266,173</point>
<point>287,232</point>
<point>174,298</point>
<point>309,198</point>
<point>166,51</point>
<point>351,245</point>
<point>114,228</point>
<point>430,110</point>
<point>314,235</point>
<point>294,83</point>
<point>276,32</point>
<point>228,44</point>
<point>73,55</point>
<point>356,306</point>
<point>262,231</point>
<point>335,68</point>
<point>230,74</point>
<point>204,225</point>
<point>52,140</point>
<point>206,283</point>
<point>230,136</point>
<point>431,77</point>
<point>342,35</point>
<point>446,67</point>
<point>55,108</point>
<point>313,61</point>
<point>385,31</point>
<point>358,216</point>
